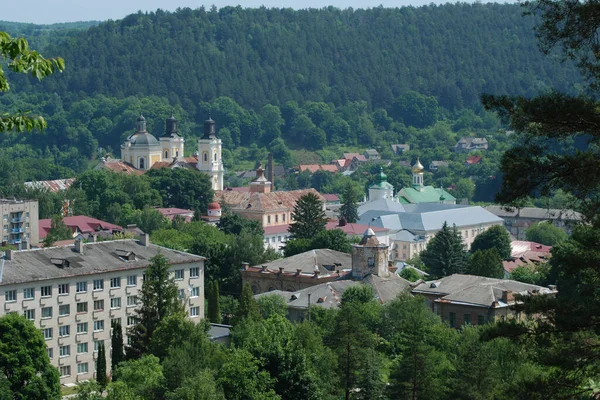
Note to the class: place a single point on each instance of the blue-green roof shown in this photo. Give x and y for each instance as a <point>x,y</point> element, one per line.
<point>427,194</point>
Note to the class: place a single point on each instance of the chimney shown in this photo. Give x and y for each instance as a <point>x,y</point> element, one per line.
<point>245,266</point>
<point>264,268</point>
<point>271,170</point>
<point>298,271</point>
<point>94,238</point>
<point>25,245</point>
<point>145,239</point>
<point>316,275</point>
<point>79,246</point>
<point>507,296</point>
<point>9,255</point>
<point>281,270</point>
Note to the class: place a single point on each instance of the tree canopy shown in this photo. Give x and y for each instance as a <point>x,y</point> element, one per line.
<point>445,254</point>
<point>308,216</point>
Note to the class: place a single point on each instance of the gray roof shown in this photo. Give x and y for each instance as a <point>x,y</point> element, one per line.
<point>381,205</point>
<point>143,138</point>
<point>329,295</point>
<point>40,264</point>
<point>475,290</point>
<point>428,217</point>
<point>535,213</point>
<point>219,331</point>
<point>327,260</point>
<point>407,236</point>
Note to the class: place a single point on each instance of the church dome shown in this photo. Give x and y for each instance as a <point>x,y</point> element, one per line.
<point>143,139</point>
<point>418,167</point>
<point>214,206</point>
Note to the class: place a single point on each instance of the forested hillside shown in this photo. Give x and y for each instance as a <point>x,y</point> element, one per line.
<point>270,56</point>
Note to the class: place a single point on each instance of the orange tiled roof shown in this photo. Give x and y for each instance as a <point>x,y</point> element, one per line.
<point>119,166</point>
<point>263,201</point>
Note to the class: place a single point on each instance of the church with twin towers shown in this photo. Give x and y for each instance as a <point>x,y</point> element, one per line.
<point>143,151</point>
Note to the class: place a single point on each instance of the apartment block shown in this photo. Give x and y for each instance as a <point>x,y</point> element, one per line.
<point>74,293</point>
<point>19,222</point>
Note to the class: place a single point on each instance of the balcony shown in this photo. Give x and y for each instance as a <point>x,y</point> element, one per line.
<point>17,220</point>
<point>80,317</point>
<point>11,306</point>
<point>17,230</point>
<point>15,241</point>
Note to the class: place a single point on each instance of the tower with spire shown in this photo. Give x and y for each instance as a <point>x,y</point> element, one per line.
<point>209,155</point>
<point>381,189</point>
<point>172,143</point>
<point>417,171</point>
<point>141,149</point>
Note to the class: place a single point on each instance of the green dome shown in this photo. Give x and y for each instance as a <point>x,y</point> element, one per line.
<point>381,181</point>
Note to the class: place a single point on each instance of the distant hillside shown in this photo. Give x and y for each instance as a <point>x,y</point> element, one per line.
<point>261,56</point>
<point>41,35</point>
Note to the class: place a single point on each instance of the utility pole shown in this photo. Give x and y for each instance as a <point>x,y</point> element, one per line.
<point>309,306</point>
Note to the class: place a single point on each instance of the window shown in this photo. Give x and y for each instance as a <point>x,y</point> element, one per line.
<point>64,330</point>
<point>64,309</point>
<point>194,292</point>
<point>82,327</point>
<point>82,348</point>
<point>97,344</point>
<point>98,284</point>
<point>452,320</point>
<point>98,326</point>
<point>132,280</point>
<point>277,218</point>
<point>46,312</point>
<point>131,301</point>
<point>268,219</point>
<point>194,272</point>
<point>47,333</point>
<point>115,283</point>
<point>181,293</point>
<point>65,370</point>
<point>29,314</point>
<point>115,303</point>
<point>279,238</point>
<point>10,295</point>
<point>50,353</point>
<point>82,307</point>
<point>480,320</point>
<point>81,287</point>
<point>114,322</point>
<point>178,274</point>
<point>468,319</point>
<point>142,164</point>
<point>194,311</point>
<point>131,321</point>
<point>63,288</point>
<point>283,217</point>
<point>82,368</point>
<point>29,293</point>
<point>64,351</point>
<point>98,305</point>
<point>46,291</point>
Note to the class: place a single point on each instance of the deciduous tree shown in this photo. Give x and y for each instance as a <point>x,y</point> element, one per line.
<point>496,237</point>
<point>486,263</point>
<point>545,233</point>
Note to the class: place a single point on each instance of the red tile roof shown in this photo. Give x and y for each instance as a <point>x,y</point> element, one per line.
<point>310,167</point>
<point>119,166</point>
<point>473,159</point>
<point>172,212</point>
<point>55,186</point>
<point>331,197</point>
<point>79,224</point>
<point>353,229</point>
<point>271,201</point>
<point>270,230</point>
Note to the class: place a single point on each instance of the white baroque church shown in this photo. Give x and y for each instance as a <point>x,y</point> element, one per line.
<point>143,151</point>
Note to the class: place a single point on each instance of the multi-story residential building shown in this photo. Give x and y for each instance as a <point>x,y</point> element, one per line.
<point>74,294</point>
<point>19,222</point>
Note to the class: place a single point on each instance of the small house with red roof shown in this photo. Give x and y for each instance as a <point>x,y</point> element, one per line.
<point>81,225</point>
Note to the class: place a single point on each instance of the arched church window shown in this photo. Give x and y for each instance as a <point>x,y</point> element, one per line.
<point>166,154</point>
<point>142,163</point>
<point>215,156</point>
<point>205,157</point>
<point>177,153</point>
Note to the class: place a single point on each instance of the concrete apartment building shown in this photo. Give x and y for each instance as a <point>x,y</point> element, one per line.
<point>74,293</point>
<point>19,221</point>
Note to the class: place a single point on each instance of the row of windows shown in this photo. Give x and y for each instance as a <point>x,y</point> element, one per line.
<point>65,370</point>
<point>466,319</point>
<point>82,287</point>
<point>276,218</point>
<point>65,330</point>
<point>82,307</point>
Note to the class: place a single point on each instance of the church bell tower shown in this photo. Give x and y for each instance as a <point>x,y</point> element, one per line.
<point>209,155</point>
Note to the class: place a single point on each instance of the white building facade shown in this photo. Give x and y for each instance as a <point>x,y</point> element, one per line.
<point>209,155</point>
<point>20,223</point>
<point>73,294</point>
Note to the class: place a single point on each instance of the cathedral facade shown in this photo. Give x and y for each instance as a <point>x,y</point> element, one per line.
<point>143,151</point>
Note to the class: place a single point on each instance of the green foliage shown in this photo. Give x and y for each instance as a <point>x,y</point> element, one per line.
<point>25,369</point>
<point>242,379</point>
<point>531,273</point>
<point>233,224</point>
<point>21,59</point>
<point>202,386</point>
<point>464,189</point>
<point>214,302</point>
<point>144,377</point>
<point>117,353</point>
<point>182,187</point>
<point>309,217</point>
<point>349,208</point>
<point>158,298</point>
<point>247,307</point>
<point>271,305</point>
<point>333,239</point>
<point>445,254</point>
<point>410,274</point>
<point>101,372</point>
<point>545,233</point>
<point>486,263</point>
<point>496,237</point>
<point>58,231</point>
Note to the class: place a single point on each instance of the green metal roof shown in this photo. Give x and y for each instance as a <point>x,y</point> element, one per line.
<point>428,194</point>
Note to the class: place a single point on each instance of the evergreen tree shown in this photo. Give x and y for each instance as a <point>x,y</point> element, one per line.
<point>158,299</point>
<point>495,237</point>
<point>116,344</point>
<point>445,254</point>
<point>247,307</point>
<point>309,217</point>
<point>486,263</point>
<point>58,231</point>
<point>101,376</point>
<point>349,208</point>
<point>214,308</point>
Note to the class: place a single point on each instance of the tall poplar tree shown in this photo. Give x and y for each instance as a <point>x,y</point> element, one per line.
<point>101,366</point>
<point>158,299</point>
<point>117,355</point>
<point>214,308</point>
